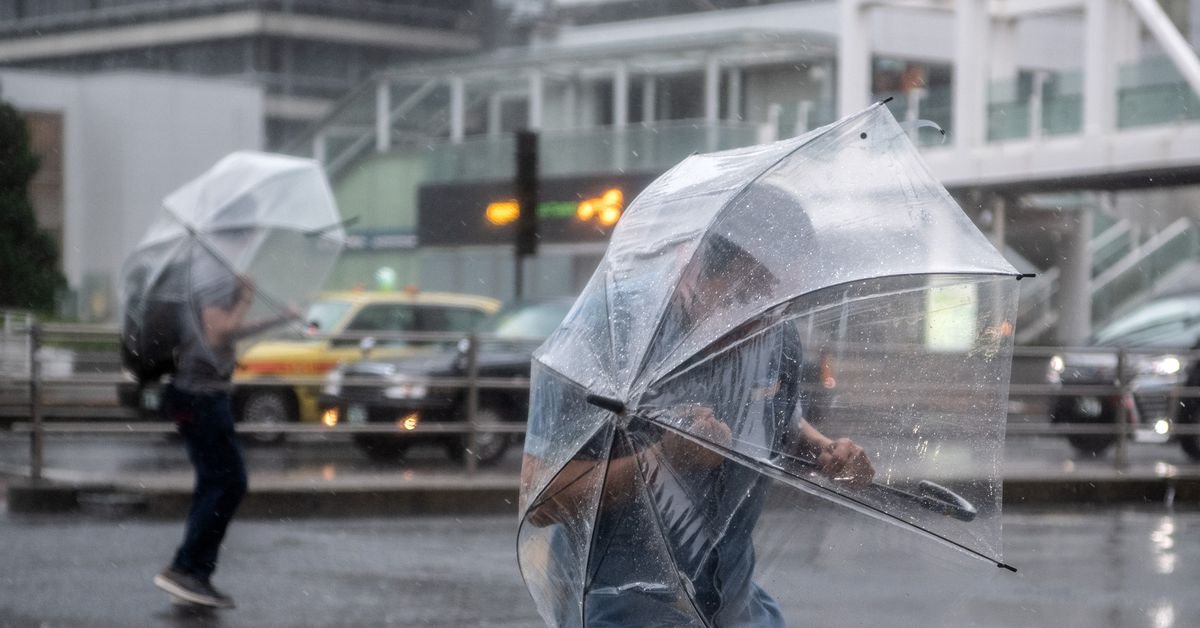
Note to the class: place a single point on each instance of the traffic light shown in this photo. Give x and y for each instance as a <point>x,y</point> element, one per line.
<point>526,192</point>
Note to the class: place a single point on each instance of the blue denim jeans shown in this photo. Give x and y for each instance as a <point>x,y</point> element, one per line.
<point>206,423</point>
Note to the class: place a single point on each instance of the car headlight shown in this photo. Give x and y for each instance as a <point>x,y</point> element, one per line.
<point>1056,367</point>
<point>1161,365</point>
<point>333,383</point>
<point>405,387</point>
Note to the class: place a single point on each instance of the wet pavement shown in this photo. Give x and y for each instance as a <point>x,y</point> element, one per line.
<point>1118,568</point>
<point>1080,566</point>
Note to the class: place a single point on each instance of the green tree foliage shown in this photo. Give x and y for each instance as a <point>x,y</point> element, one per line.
<point>29,275</point>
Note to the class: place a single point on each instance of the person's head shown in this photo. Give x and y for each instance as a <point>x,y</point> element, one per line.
<point>724,272</point>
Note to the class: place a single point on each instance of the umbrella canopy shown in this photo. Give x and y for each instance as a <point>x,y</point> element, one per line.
<point>267,219</point>
<point>829,280</point>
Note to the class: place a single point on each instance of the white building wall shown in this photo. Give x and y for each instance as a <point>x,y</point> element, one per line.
<point>128,140</point>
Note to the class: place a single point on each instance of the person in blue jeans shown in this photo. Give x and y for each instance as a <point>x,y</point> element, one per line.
<point>672,539</point>
<point>199,401</point>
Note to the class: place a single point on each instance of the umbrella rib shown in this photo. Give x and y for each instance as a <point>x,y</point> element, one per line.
<point>775,304</point>
<point>749,461</point>
<point>740,191</point>
<point>661,526</point>
<point>542,497</point>
<point>589,570</point>
<point>194,234</point>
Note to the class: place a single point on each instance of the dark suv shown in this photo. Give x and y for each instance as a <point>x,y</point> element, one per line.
<point>402,392</point>
<point>1158,336</point>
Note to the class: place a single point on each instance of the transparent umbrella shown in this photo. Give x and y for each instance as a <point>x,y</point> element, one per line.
<point>266,219</point>
<point>749,299</point>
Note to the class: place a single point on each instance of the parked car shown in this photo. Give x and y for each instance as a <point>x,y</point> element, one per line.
<point>399,390</point>
<point>1158,334</point>
<point>269,380</point>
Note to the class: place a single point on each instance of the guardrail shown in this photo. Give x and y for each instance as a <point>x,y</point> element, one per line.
<point>93,364</point>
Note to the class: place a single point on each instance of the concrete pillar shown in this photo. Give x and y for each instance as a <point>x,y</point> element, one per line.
<point>1037,101</point>
<point>620,116</point>
<point>733,95</point>
<point>620,95</point>
<point>1099,95</point>
<point>712,90</point>
<point>1075,279</point>
<point>803,117</point>
<point>649,98</point>
<point>494,109</point>
<point>828,76</point>
<point>854,58</point>
<point>383,116</point>
<point>999,209</point>
<point>320,148</point>
<point>458,98</point>
<point>712,101</point>
<point>537,94</point>
<point>969,119</point>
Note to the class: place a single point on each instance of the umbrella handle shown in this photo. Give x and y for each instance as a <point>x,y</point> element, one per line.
<point>935,497</point>
<point>930,495</point>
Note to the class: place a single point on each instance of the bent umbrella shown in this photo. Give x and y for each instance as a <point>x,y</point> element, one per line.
<point>267,219</point>
<point>748,299</point>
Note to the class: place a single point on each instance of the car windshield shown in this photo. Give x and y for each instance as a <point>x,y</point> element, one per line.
<point>1170,322</point>
<point>527,321</point>
<point>323,316</point>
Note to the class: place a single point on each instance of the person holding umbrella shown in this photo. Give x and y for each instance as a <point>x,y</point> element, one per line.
<point>251,239</point>
<point>708,503</point>
<point>671,400</point>
<point>199,401</point>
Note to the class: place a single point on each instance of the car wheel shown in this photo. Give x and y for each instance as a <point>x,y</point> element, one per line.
<point>266,408</point>
<point>1076,410</point>
<point>382,448</point>
<point>490,447</point>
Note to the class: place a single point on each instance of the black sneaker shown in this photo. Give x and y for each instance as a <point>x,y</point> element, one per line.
<point>226,601</point>
<point>191,589</point>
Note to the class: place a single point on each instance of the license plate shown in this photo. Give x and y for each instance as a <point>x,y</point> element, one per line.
<point>356,415</point>
<point>150,399</point>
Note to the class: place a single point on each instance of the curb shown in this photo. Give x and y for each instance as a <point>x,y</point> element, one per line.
<point>50,497</point>
<point>1106,491</point>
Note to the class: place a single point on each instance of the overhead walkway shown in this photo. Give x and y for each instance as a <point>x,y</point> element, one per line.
<point>1117,123</point>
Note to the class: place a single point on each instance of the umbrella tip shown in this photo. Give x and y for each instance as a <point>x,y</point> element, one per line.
<point>1008,567</point>
<point>616,406</point>
<point>1026,276</point>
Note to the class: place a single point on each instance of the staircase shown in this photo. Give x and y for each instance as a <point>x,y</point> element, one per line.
<point>417,111</point>
<point>1123,272</point>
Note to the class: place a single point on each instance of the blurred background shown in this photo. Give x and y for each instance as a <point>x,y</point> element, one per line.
<point>1071,138</point>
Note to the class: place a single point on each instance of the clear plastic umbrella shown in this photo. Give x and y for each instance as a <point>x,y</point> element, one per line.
<point>270,220</point>
<point>825,282</point>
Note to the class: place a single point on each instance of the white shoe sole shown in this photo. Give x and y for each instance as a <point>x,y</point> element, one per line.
<point>179,593</point>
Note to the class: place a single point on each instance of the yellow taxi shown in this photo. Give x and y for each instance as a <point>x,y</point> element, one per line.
<point>278,379</point>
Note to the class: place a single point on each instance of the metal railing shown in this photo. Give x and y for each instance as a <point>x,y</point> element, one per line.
<point>42,409</point>
<point>84,395</point>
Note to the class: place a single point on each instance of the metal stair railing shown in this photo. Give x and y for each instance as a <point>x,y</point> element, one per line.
<point>1137,273</point>
<point>1037,313</point>
<point>366,136</point>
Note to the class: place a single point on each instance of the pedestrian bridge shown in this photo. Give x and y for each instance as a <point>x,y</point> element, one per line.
<point>1119,122</point>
